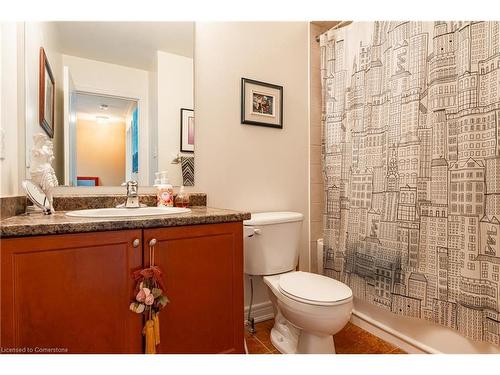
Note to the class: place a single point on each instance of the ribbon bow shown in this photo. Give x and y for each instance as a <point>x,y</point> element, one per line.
<point>151,272</point>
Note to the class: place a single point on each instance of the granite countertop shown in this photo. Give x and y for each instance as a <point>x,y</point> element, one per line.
<point>58,223</point>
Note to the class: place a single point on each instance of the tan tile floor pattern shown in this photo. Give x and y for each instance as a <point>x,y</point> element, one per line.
<point>350,340</point>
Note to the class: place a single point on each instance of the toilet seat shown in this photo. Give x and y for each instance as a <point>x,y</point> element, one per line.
<point>313,289</point>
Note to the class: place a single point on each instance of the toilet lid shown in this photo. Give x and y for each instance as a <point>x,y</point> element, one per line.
<point>313,288</point>
<point>268,218</point>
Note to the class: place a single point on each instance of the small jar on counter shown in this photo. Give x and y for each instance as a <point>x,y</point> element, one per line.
<point>182,199</point>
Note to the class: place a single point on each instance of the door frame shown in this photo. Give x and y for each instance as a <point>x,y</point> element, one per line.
<point>68,89</point>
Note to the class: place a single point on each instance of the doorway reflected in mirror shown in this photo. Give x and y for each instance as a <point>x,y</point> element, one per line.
<point>104,148</point>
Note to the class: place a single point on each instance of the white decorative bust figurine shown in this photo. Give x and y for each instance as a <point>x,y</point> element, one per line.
<point>41,170</point>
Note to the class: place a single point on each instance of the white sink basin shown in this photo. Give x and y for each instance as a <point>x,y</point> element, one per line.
<point>128,212</point>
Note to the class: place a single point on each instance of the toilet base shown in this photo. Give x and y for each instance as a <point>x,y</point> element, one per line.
<point>284,336</point>
<point>310,343</point>
<point>288,339</point>
<point>284,344</point>
<point>306,343</point>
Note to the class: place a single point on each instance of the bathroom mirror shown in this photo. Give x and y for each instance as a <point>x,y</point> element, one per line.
<point>37,196</point>
<point>123,106</point>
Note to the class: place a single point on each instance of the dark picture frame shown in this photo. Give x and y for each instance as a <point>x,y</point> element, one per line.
<point>46,104</point>
<point>261,103</point>
<point>187,130</point>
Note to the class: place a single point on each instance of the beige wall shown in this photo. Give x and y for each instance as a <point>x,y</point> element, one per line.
<point>12,117</point>
<point>100,151</point>
<point>250,167</point>
<point>44,34</point>
<point>153,120</point>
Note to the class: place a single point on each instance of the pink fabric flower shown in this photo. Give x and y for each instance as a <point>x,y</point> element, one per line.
<point>142,295</point>
<point>137,307</point>
<point>149,299</point>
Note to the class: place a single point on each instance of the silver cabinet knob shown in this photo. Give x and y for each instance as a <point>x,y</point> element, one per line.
<point>152,242</point>
<point>136,242</point>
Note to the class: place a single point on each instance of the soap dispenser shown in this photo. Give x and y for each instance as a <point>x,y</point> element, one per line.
<point>165,192</point>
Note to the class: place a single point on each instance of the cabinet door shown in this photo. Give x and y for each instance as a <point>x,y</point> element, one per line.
<point>71,292</point>
<point>203,273</point>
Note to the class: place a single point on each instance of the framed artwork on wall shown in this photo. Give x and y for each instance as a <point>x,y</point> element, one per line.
<point>46,95</point>
<point>261,103</point>
<point>187,130</point>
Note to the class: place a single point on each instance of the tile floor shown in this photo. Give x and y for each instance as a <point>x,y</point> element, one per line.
<point>351,340</point>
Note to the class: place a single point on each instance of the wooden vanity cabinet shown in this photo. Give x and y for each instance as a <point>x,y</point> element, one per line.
<point>72,291</point>
<point>203,275</point>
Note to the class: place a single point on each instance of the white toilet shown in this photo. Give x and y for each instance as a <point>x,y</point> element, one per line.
<point>308,308</point>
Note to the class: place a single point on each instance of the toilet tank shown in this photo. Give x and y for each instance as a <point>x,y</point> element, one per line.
<point>271,242</point>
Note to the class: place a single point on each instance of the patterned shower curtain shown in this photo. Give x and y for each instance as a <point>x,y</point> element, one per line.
<point>411,151</point>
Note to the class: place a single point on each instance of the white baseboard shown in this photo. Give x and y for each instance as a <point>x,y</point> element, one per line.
<point>390,335</point>
<point>261,311</point>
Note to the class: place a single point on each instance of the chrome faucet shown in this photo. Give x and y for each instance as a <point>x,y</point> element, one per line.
<point>132,196</point>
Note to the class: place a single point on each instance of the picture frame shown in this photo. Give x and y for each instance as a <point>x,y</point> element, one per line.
<point>261,103</point>
<point>87,181</point>
<point>46,95</point>
<point>187,130</point>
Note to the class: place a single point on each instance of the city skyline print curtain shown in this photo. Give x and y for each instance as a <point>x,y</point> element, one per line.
<point>411,165</point>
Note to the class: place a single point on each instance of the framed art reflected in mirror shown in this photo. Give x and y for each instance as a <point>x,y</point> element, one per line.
<point>187,130</point>
<point>46,95</point>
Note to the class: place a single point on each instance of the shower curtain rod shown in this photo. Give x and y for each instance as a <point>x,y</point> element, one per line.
<point>337,26</point>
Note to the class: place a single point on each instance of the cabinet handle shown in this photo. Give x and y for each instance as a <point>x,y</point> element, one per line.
<point>136,243</point>
<point>152,244</point>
